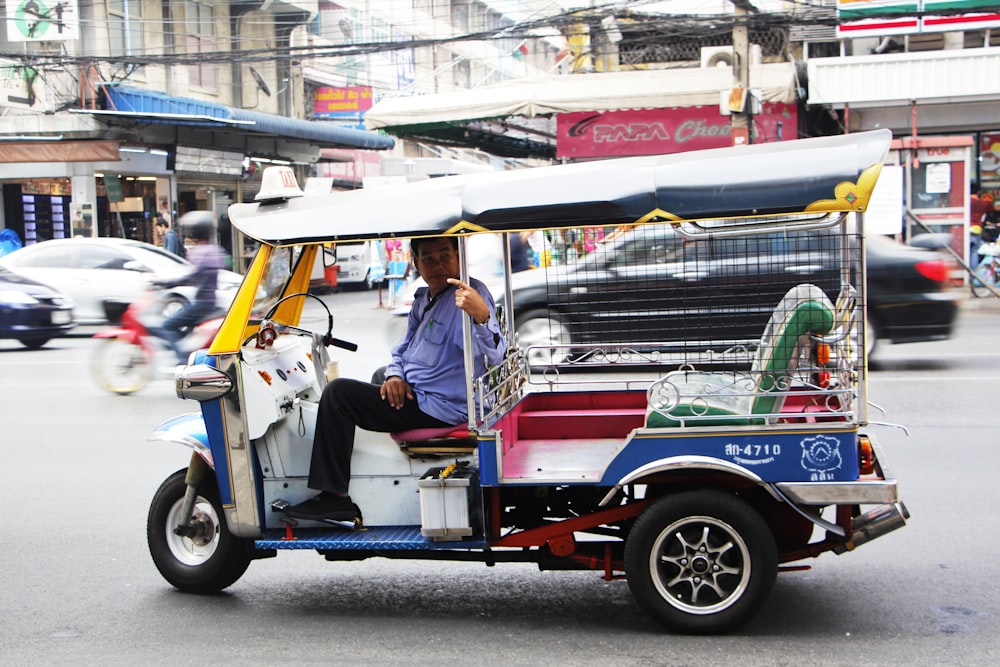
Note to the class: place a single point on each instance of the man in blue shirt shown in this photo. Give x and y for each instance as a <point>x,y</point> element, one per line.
<point>424,383</point>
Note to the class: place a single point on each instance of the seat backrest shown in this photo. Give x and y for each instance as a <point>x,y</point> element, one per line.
<point>804,310</point>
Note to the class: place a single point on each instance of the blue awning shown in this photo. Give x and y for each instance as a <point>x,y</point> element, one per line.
<point>153,106</point>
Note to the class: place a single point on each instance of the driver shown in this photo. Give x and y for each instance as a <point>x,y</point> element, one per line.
<point>424,384</point>
<point>208,257</point>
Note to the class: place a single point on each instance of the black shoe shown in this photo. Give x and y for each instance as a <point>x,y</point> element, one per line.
<point>325,507</point>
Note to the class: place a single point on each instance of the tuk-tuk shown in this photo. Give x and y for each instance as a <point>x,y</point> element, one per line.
<point>693,469</point>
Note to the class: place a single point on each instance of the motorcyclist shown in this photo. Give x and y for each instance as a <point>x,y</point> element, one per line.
<point>207,257</point>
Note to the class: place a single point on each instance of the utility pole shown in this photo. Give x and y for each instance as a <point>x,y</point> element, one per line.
<point>739,98</point>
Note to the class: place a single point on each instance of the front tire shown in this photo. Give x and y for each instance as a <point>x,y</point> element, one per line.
<point>701,562</point>
<point>206,562</point>
<point>33,343</point>
<point>121,367</point>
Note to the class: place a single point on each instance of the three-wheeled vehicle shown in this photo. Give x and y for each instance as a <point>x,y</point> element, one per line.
<point>695,470</point>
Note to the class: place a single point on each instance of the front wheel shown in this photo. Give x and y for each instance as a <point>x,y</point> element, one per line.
<point>701,562</point>
<point>208,559</point>
<point>121,367</point>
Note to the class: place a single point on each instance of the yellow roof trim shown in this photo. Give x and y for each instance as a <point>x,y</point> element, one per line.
<point>850,196</point>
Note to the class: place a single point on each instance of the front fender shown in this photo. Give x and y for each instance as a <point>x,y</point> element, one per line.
<point>187,430</point>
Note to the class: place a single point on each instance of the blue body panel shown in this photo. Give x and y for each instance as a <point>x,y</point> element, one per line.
<point>775,456</point>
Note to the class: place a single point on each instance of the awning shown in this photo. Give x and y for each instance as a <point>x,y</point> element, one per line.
<point>153,106</point>
<point>59,151</point>
<point>541,96</point>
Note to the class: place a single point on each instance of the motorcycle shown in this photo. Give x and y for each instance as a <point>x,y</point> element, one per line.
<point>127,355</point>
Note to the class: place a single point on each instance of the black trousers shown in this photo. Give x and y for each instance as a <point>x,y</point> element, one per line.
<point>347,404</point>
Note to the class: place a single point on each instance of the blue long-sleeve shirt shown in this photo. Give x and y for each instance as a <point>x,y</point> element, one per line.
<point>430,356</point>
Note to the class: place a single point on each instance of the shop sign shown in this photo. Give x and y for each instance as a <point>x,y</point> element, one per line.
<point>657,131</point>
<point>879,18</point>
<point>989,156</point>
<point>334,102</point>
<point>113,187</point>
<point>42,20</point>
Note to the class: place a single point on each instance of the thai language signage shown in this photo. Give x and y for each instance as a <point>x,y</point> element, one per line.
<point>330,102</point>
<point>656,131</point>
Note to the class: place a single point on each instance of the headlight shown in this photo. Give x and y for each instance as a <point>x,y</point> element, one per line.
<point>14,297</point>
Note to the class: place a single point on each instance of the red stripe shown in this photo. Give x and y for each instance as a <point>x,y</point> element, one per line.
<point>877,26</point>
<point>955,20</point>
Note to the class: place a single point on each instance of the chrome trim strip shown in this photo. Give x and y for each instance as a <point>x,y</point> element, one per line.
<point>862,492</point>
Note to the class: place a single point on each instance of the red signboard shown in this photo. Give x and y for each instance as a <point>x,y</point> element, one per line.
<point>331,101</point>
<point>587,134</point>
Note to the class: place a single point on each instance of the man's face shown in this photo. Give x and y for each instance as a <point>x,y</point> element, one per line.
<point>436,261</point>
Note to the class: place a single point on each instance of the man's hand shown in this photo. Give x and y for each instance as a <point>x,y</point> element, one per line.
<point>471,301</point>
<point>396,390</point>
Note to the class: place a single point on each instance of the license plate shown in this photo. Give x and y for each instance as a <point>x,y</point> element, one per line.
<point>61,317</point>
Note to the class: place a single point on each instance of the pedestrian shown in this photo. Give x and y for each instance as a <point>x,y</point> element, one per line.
<point>423,386</point>
<point>171,241</point>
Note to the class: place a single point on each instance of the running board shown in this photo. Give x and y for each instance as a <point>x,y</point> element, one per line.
<point>380,538</point>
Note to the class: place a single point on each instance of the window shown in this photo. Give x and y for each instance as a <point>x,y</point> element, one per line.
<point>125,27</point>
<point>199,28</point>
<point>99,257</point>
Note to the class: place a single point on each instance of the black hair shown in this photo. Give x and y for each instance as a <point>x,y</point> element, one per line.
<point>415,243</point>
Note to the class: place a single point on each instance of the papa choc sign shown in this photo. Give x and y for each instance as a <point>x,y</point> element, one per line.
<point>657,131</point>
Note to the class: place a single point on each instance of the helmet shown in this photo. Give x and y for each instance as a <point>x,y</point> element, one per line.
<point>198,225</point>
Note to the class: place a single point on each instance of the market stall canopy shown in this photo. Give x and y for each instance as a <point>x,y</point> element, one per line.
<point>827,174</point>
<point>449,116</point>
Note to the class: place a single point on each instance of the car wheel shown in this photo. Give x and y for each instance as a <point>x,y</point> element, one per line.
<point>543,330</point>
<point>33,343</point>
<point>172,305</point>
<point>208,559</point>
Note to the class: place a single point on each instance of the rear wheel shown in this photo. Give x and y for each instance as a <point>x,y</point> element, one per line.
<point>701,561</point>
<point>986,274</point>
<point>209,558</point>
<point>121,367</point>
<point>33,343</point>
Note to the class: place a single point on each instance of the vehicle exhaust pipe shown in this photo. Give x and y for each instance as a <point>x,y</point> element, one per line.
<point>875,523</point>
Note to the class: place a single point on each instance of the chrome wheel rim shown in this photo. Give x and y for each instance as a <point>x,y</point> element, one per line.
<point>700,565</point>
<point>193,550</point>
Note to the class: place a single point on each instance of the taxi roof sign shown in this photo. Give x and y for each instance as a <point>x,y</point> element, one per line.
<point>278,184</point>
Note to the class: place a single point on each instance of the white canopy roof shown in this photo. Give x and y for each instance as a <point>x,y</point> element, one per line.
<point>638,89</point>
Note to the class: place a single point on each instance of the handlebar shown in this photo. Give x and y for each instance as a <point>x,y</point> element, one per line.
<point>343,344</point>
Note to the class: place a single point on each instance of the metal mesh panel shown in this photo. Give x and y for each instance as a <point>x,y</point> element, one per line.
<point>650,294</point>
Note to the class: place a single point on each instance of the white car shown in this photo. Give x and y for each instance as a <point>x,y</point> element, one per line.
<point>91,270</point>
<point>359,264</point>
